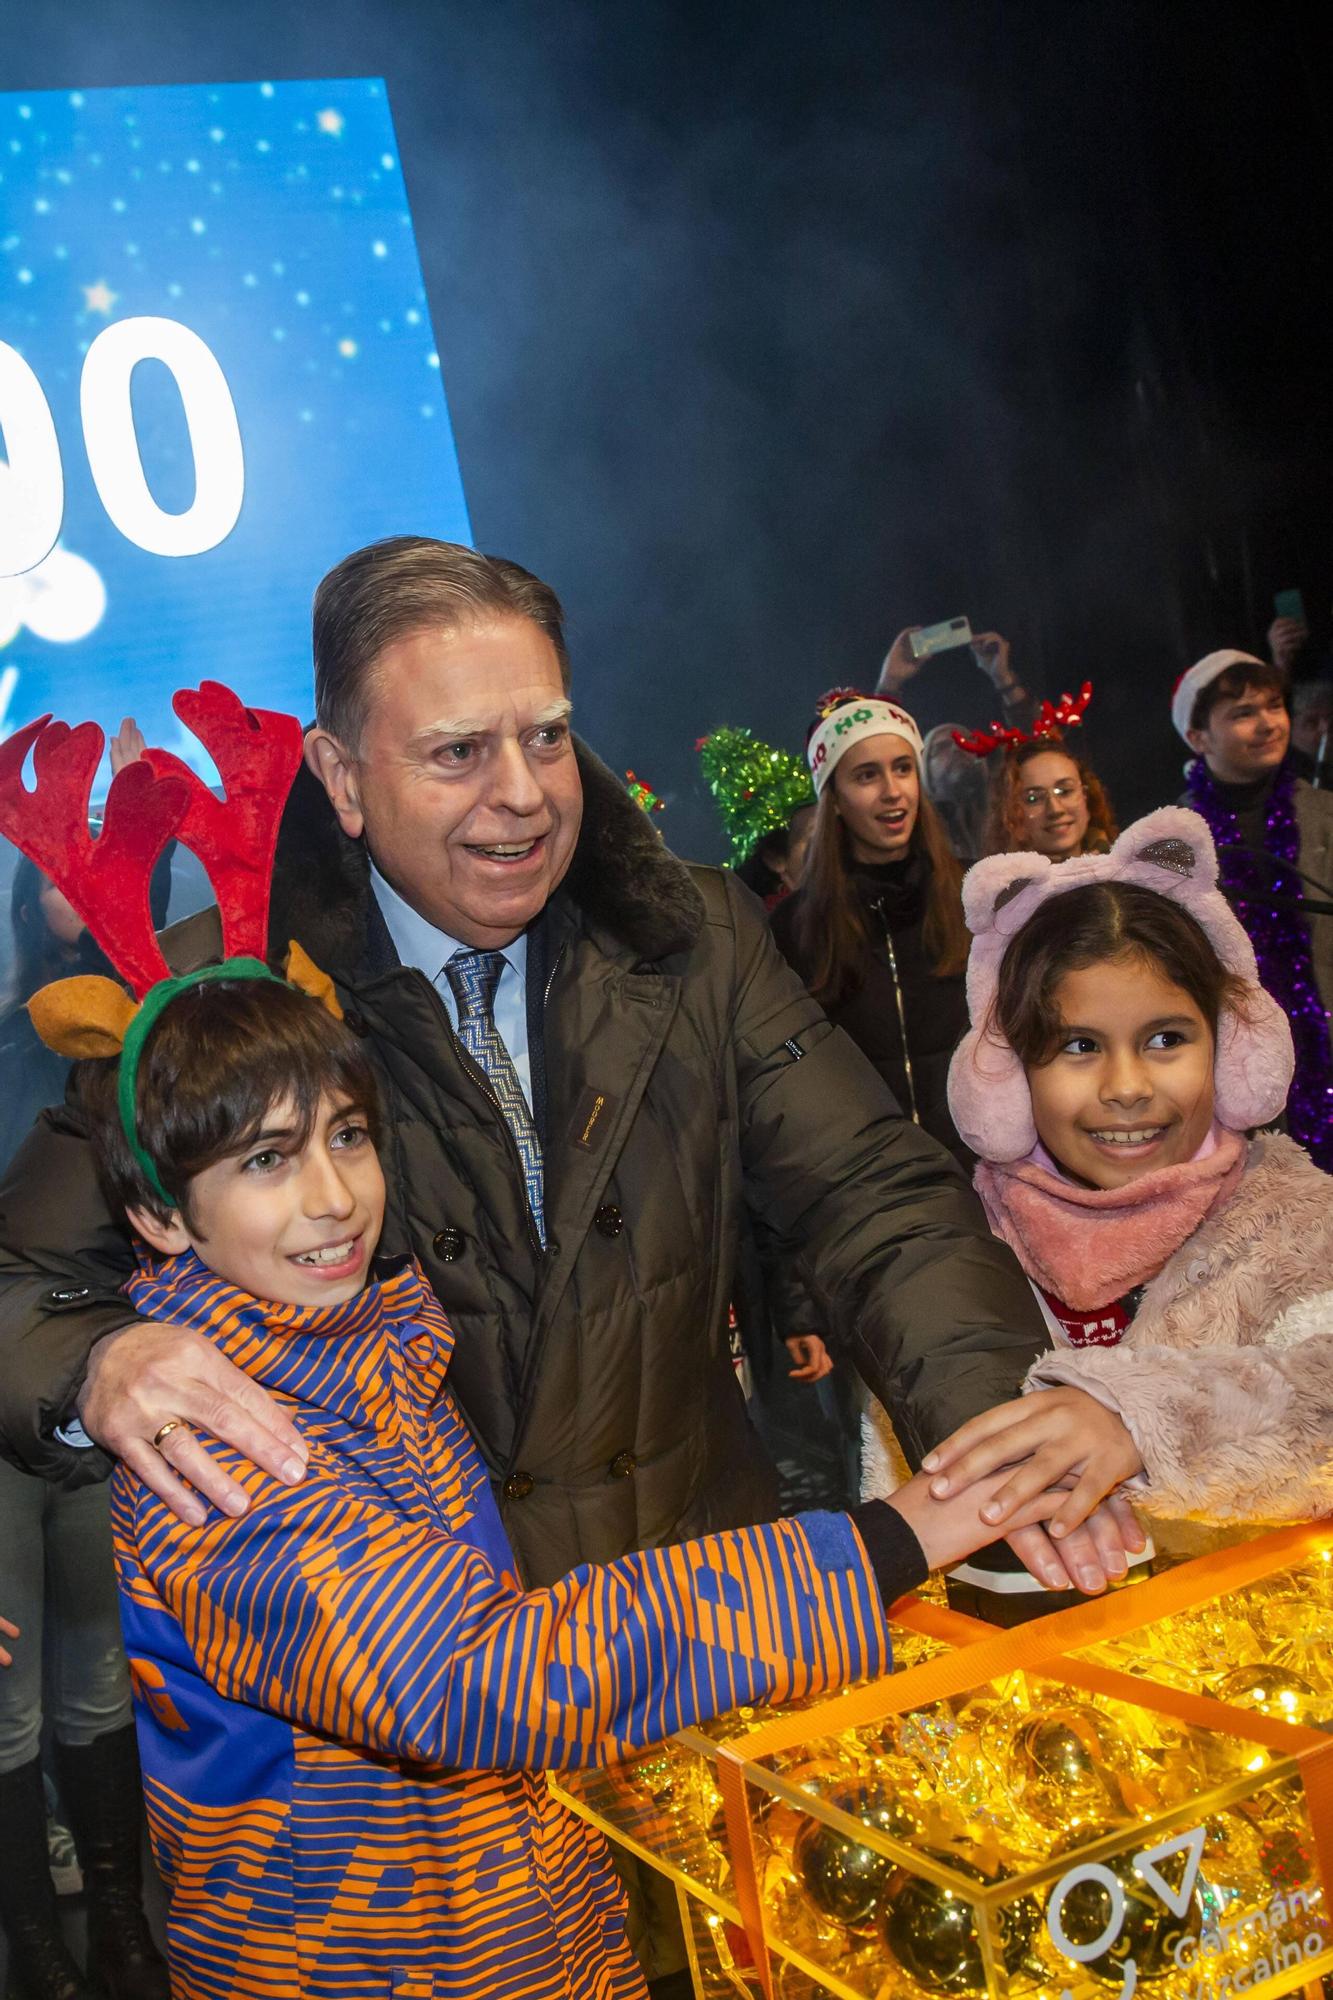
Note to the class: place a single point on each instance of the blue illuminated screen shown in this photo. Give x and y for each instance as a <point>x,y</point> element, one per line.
<point>217,376</point>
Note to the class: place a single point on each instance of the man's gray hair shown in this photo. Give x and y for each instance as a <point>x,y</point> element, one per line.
<point>406,584</point>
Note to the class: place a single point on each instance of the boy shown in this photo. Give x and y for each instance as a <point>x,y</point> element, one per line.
<point>345,1698</point>
<point>1231,709</point>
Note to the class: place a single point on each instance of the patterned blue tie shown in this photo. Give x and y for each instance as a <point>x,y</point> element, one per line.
<point>473,977</point>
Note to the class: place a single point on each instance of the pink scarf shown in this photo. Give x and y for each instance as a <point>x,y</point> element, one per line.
<point>1092,1245</point>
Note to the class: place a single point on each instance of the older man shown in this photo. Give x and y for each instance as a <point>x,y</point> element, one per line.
<point>591,1057</point>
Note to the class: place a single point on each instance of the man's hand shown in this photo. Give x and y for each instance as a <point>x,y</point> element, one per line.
<point>127,745</point>
<point>1286,638</point>
<point>7,1631</point>
<point>899,666</point>
<point>812,1358</point>
<point>1063,1437</point>
<point>1088,1558</point>
<point>147,1375</point>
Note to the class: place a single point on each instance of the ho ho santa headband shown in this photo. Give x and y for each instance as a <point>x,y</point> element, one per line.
<point>106,879</point>
<point>1171,852</point>
<point>845,718</point>
<point>1201,675</point>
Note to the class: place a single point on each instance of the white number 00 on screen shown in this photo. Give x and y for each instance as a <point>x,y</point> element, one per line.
<point>32,499</point>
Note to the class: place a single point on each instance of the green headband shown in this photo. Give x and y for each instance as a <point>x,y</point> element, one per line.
<point>137,1033</point>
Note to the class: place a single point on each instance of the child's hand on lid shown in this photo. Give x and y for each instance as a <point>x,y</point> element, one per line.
<point>1052,1438</point>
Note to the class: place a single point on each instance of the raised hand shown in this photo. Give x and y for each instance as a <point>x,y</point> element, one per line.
<point>127,745</point>
<point>899,665</point>
<point>991,652</point>
<point>1286,637</point>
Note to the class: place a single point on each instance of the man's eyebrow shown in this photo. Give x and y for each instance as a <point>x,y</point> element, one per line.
<point>454,729</point>
<point>555,711</point>
<point>432,732</point>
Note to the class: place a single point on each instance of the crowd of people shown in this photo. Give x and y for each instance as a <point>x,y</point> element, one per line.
<point>388,1237</point>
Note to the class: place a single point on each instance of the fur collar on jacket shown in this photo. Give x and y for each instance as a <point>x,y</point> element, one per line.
<point>1253,1259</point>
<point>622,880</point>
<point>1223,1375</point>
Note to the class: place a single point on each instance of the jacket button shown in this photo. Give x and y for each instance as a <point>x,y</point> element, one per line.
<point>67,1295</point>
<point>448,1245</point>
<point>622,1465</point>
<point>608,1220</point>
<point>518,1485</point>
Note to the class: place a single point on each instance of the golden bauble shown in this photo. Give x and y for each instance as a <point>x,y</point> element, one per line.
<point>1275,1691</point>
<point>932,1932</point>
<point>843,1878</point>
<point>1066,1760</point>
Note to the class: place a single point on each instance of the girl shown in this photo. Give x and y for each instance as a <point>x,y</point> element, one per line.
<point>1121,1054</point>
<point>1047,802</point>
<point>876,928</point>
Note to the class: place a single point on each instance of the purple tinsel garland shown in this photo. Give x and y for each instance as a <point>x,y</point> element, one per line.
<point>1281,946</point>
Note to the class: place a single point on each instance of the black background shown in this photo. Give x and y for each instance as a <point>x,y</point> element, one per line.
<point>769,329</point>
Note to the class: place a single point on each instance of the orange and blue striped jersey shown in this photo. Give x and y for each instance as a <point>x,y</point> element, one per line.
<point>345,1699</point>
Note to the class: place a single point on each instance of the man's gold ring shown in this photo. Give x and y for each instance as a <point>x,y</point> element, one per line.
<point>161,1436</point>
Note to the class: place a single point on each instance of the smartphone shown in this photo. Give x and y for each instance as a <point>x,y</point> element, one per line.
<point>1290,604</point>
<point>940,638</point>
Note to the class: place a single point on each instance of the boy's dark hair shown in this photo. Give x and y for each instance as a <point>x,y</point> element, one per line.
<point>1232,683</point>
<point>218,1058</point>
<point>1087,926</point>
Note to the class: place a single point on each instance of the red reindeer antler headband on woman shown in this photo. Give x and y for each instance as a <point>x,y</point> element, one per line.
<point>1051,717</point>
<point>105,878</point>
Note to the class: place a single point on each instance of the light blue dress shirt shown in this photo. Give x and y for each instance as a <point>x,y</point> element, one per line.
<point>418,942</point>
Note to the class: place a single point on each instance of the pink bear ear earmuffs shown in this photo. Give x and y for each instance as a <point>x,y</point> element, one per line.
<point>1171,852</point>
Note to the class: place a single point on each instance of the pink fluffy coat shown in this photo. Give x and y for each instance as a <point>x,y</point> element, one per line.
<point>1225,1376</point>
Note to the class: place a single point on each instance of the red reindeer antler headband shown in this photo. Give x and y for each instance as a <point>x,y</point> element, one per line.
<point>1066,713</point>
<point>106,878</point>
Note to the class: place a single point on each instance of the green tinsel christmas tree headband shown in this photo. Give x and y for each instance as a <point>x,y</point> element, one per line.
<point>757,786</point>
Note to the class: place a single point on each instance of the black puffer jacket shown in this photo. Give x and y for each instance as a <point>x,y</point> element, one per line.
<point>899,992</point>
<point>686,1072</point>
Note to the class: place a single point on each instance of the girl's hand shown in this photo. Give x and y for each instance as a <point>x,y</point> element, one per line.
<point>812,1358</point>
<point>1063,1437</point>
<point>8,1631</point>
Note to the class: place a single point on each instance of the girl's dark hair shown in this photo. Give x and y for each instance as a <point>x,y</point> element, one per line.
<point>1006,823</point>
<point>1103,920</point>
<point>216,1061</point>
<point>830,922</point>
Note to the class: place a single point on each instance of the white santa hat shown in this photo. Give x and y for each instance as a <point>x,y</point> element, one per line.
<point>1201,675</point>
<point>855,718</point>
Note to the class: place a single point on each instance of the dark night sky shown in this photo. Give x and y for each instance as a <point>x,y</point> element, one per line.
<point>769,329</point>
